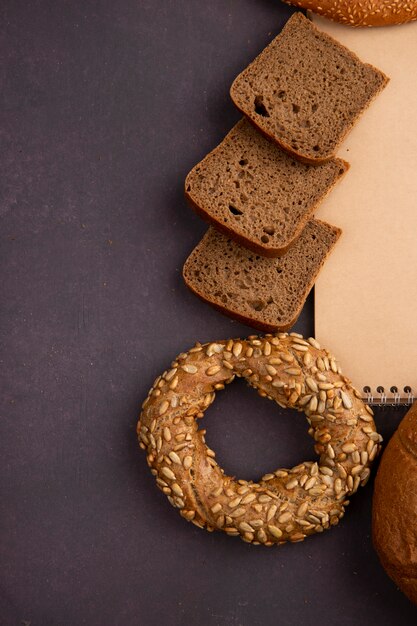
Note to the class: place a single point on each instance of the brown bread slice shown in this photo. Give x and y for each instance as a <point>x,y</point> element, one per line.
<point>305,90</point>
<point>265,293</point>
<point>257,194</point>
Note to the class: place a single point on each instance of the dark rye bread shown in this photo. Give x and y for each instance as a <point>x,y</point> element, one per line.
<point>257,194</point>
<point>265,293</point>
<point>305,90</point>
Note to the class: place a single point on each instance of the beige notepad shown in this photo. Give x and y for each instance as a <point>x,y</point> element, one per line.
<point>366,294</point>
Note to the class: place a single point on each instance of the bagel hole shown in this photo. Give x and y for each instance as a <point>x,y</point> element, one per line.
<point>252,436</point>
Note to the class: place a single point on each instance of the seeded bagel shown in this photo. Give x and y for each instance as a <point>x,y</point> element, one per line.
<point>362,12</point>
<point>286,504</point>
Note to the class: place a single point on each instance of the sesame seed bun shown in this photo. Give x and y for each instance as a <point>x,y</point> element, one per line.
<point>362,12</point>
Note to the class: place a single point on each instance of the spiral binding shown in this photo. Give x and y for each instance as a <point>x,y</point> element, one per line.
<point>380,398</point>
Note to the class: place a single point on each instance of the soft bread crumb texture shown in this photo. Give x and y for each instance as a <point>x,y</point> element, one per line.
<point>265,293</point>
<point>306,90</point>
<point>256,193</point>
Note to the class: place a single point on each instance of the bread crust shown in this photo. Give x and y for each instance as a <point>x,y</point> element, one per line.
<point>394,509</point>
<point>362,12</point>
<point>288,504</point>
<point>250,321</point>
<point>257,122</point>
<point>251,244</point>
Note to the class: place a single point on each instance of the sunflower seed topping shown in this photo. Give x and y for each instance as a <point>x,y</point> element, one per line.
<point>271,512</point>
<point>168,473</point>
<point>302,509</point>
<point>237,349</point>
<point>311,384</point>
<point>245,527</point>
<point>214,348</point>
<point>187,462</point>
<point>170,375</point>
<point>291,484</point>
<point>177,490</point>
<point>249,498</point>
<point>174,457</point>
<point>347,402</point>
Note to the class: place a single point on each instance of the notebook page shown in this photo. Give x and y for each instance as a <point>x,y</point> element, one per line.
<point>366,294</point>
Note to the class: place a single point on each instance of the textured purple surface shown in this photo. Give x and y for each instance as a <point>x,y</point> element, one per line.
<point>105,107</point>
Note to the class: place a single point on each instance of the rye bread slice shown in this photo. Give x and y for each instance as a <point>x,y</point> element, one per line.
<point>265,293</point>
<point>306,90</point>
<point>256,193</point>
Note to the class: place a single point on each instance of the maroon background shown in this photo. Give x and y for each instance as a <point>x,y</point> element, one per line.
<point>106,106</point>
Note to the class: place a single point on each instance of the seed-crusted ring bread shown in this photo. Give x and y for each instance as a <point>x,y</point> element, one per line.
<point>288,504</point>
<point>362,12</point>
